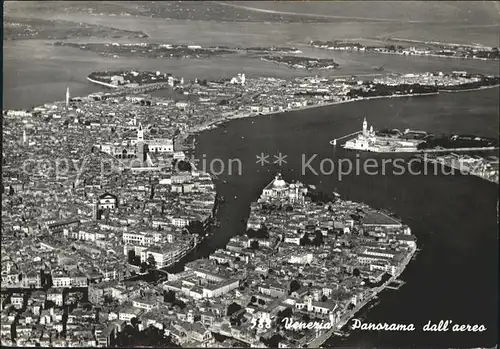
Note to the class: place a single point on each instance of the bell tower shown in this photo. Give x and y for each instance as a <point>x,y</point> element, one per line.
<point>140,134</point>
<point>67,97</point>
<point>365,127</point>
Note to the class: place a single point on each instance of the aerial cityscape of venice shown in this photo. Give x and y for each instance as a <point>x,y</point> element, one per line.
<point>285,174</point>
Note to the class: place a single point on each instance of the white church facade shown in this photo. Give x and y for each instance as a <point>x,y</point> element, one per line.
<point>364,140</point>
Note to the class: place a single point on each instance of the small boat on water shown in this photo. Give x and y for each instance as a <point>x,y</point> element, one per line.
<point>341,334</point>
<point>373,304</point>
<point>312,186</point>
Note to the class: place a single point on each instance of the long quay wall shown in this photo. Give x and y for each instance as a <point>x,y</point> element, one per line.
<point>374,292</point>
<point>119,90</point>
<point>413,150</point>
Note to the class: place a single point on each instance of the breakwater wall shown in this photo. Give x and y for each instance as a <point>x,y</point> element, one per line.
<point>101,83</point>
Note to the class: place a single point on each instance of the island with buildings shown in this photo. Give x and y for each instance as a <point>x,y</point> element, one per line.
<point>132,78</point>
<point>424,84</point>
<point>174,51</point>
<point>273,49</point>
<point>448,150</point>
<point>385,141</point>
<point>117,50</point>
<point>413,141</point>
<point>406,47</point>
<point>297,62</point>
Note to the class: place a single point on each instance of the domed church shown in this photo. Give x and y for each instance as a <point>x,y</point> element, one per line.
<point>279,189</point>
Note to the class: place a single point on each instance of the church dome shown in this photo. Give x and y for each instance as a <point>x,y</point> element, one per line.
<point>279,182</point>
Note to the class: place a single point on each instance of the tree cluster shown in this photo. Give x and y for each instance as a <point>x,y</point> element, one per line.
<point>285,313</point>
<point>261,233</point>
<point>181,165</point>
<point>150,337</point>
<point>318,239</point>
<point>169,297</point>
<point>133,259</point>
<point>272,342</point>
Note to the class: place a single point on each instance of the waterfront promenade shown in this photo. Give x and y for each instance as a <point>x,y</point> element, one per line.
<point>426,151</point>
<point>344,319</point>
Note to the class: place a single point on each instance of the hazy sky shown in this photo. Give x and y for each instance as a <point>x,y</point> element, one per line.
<point>472,12</point>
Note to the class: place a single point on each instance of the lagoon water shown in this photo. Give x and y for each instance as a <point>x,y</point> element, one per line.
<point>455,276</point>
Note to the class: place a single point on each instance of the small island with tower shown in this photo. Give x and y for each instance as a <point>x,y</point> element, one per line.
<point>414,141</point>
<point>385,141</point>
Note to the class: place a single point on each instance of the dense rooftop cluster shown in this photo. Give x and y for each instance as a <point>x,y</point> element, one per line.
<point>75,217</point>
